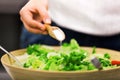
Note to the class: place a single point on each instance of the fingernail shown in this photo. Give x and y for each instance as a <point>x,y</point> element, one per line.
<point>48,21</point>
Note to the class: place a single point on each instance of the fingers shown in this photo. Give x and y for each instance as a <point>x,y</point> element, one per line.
<point>32,25</point>
<point>44,15</point>
<point>35,30</point>
<point>34,16</point>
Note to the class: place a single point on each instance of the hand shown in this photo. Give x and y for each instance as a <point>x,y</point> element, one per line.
<point>34,15</point>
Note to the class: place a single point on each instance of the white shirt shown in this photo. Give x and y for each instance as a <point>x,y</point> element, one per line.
<point>96,17</point>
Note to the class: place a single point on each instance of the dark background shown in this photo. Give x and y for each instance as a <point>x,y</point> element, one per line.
<point>10,28</point>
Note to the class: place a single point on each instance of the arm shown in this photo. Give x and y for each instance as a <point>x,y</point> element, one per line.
<point>34,15</point>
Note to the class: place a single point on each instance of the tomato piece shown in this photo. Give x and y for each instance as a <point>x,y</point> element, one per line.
<point>115,62</point>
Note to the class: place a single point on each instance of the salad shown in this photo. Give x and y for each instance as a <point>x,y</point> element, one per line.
<point>68,57</point>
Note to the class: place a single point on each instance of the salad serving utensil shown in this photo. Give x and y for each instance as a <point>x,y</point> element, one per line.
<point>12,56</point>
<point>95,61</point>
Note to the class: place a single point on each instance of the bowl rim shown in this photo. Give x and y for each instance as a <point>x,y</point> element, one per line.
<point>60,72</point>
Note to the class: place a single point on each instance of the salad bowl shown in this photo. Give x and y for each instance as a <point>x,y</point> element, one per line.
<point>19,73</point>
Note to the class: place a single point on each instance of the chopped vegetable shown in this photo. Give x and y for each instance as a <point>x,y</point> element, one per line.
<point>70,57</point>
<point>115,62</point>
<point>94,50</point>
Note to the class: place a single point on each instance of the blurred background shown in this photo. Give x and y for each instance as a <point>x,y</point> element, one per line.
<point>10,24</point>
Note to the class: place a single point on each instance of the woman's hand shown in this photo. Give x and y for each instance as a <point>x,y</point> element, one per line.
<point>34,15</point>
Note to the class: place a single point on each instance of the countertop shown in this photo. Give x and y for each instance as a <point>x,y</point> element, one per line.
<point>3,74</point>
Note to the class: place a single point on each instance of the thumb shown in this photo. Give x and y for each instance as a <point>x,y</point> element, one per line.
<point>45,16</point>
<point>47,20</point>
